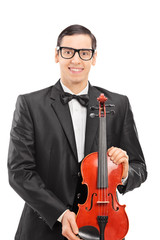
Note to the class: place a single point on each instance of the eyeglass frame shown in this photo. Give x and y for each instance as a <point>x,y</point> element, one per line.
<point>76,50</point>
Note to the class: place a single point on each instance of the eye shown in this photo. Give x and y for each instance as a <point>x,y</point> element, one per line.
<point>85,53</point>
<point>68,52</point>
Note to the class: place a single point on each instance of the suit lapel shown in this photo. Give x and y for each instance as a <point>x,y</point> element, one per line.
<point>63,114</point>
<point>92,123</point>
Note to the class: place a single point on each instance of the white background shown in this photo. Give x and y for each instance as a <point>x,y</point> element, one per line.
<point>128,35</point>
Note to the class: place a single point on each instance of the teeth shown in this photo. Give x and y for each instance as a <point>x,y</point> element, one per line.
<point>75,69</point>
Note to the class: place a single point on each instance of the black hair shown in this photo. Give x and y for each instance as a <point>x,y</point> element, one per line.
<point>76,29</point>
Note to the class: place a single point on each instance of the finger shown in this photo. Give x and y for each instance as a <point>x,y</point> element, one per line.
<point>115,152</point>
<point>122,160</point>
<point>67,232</point>
<point>71,236</point>
<point>120,154</point>
<point>68,224</point>
<point>74,226</point>
<point>111,150</point>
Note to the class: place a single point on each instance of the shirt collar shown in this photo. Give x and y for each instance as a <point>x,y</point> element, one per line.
<point>65,89</point>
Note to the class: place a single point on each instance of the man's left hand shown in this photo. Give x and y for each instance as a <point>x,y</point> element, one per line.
<point>117,155</point>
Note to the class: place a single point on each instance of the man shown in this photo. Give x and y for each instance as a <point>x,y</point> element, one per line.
<point>51,134</point>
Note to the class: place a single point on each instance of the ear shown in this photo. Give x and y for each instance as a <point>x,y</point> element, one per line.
<point>56,56</point>
<point>94,59</point>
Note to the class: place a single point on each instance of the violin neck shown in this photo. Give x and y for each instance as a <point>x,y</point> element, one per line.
<point>102,155</point>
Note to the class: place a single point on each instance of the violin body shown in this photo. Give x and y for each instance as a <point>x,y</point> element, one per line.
<point>101,217</point>
<point>118,224</point>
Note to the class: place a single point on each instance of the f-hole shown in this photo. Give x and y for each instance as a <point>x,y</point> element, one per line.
<point>110,194</point>
<point>91,202</point>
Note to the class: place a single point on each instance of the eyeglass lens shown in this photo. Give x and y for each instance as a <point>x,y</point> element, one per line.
<point>85,54</point>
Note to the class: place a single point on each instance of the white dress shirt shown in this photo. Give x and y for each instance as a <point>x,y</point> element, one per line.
<point>78,114</point>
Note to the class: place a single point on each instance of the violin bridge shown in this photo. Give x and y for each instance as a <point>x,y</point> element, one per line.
<point>102,202</point>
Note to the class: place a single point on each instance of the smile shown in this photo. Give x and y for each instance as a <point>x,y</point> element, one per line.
<point>76,70</point>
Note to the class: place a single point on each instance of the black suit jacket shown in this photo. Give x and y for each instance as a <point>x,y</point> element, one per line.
<point>42,160</point>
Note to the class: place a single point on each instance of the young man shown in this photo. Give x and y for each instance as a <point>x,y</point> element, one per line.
<point>51,134</point>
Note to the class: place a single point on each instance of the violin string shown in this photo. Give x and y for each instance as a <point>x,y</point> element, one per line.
<point>98,200</point>
<point>103,187</point>
<point>98,167</point>
<point>104,177</point>
<point>103,190</point>
<point>106,189</point>
<point>104,167</point>
<point>108,184</point>
<point>104,171</point>
<point>103,199</point>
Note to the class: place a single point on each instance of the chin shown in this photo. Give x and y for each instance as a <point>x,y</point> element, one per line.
<point>78,80</point>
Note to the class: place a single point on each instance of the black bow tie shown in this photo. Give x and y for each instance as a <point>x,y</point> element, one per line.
<point>82,99</point>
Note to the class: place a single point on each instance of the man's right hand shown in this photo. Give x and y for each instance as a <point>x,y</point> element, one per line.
<point>69,226</point>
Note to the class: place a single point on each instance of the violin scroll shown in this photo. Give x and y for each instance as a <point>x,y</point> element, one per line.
<point>102,107</point>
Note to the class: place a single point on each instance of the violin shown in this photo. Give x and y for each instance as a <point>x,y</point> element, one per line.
<point>101,217</point>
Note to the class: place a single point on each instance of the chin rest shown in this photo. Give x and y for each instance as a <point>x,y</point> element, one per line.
<point>88,233</point>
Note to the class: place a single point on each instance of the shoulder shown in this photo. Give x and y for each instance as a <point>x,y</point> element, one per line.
<point>33,99</point>
<point>37,95</point>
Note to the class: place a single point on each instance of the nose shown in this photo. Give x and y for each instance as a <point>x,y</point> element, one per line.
<point>76,59</point>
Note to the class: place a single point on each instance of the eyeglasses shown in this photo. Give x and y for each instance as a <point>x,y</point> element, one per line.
<point>68,53</point>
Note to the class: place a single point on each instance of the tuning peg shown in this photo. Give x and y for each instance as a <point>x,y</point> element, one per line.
<point>93,115</point>
<point>94,108</point>
<point>110,112</point>
<point>109,105</point>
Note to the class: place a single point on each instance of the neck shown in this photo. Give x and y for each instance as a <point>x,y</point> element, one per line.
<point>75,87</point>
<point>102,155</point>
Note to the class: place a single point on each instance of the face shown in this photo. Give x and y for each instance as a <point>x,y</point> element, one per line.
<point>75,70</point>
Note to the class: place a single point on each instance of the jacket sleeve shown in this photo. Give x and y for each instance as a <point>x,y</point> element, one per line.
<point>23,175</point>
<point>130,143</point>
